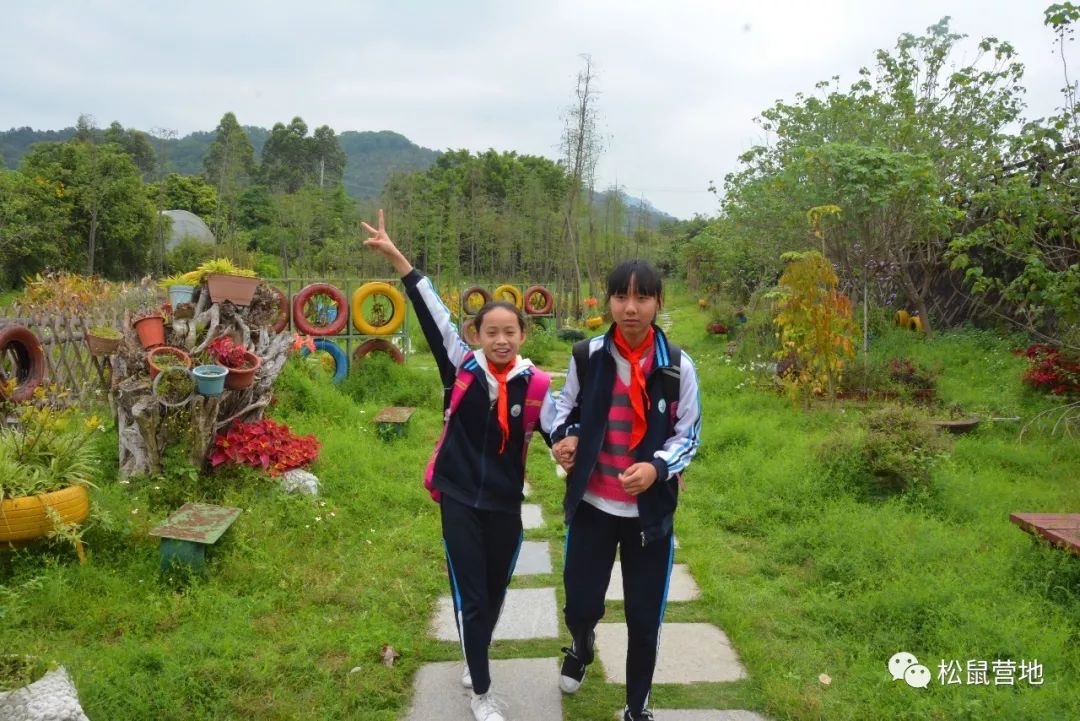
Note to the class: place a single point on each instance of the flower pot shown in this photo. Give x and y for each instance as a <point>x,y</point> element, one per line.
<point>181,294</point>
<point>165,350</point>
<point>240,378</point>
<point>99,345</point>
<point>210,379</point>
<point>235,288</point>
<point>25,518</point>
<point>161,395</point>
<point>151,330</point>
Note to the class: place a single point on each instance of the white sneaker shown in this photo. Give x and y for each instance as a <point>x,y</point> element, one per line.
<point>485,707</point>
<point>466,676</point>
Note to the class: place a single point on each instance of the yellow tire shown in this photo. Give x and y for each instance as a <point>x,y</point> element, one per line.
<point>25,518</point>
<point>594,322</point>
<point>368,290</point>
<point>916,324</point>
<point>513,291</point>
<point>903,319</point>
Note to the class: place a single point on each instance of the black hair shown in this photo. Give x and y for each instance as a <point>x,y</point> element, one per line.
<point>646,279</point>
<point>504,304</point>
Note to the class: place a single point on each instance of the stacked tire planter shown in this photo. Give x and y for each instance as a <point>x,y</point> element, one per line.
<point>334,318</point>
<point>472,299</point>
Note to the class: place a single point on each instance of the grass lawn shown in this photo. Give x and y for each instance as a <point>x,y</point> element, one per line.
<point>806,575</point>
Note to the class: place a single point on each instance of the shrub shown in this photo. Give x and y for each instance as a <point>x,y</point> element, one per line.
<point>893,451</point>
<point>264,444</point>
<point>378,379</point>
<point>1052,369</point>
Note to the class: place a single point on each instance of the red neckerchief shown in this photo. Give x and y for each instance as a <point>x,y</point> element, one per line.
<point>638,399</point>
<point>504,416</point>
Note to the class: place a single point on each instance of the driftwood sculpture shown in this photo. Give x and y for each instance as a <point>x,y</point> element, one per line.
<point>147,426</point>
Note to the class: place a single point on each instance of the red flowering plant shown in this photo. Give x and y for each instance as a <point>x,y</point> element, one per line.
<point>225,351</point>
<point>264,444</point>
<point>1052,369</point>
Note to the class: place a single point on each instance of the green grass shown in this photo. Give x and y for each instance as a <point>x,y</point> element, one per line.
<point>803,576</point>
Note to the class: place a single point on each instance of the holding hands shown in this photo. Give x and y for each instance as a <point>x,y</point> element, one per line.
<point>635,480</point>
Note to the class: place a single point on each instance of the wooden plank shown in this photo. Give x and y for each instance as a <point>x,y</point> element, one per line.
<point>1061,529</point>
<point>198,522</point>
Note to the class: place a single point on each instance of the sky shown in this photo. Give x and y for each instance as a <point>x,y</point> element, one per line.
<point>680,82</point>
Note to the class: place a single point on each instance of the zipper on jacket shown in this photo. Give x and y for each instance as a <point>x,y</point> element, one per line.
<point>643,539</point>
<point>483,455</point>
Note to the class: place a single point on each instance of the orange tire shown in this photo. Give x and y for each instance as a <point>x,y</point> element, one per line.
<point>544,293</point>
<point>307,327</point>
<point>282,321</point>
<point>378,345</point>
<point>25,348</point>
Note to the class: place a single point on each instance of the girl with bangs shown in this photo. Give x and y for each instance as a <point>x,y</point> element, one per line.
<point>627,424</point>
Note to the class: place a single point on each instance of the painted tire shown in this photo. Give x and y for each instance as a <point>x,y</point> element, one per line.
<point>378,344</point>
<point>368,290</point>
<point>513,291</point>
<point>25,518</point>
<point>29,360</point>
<point>282,321</point>
<point>544,293</point>
<point>341,361</point>
<point>903,319</point>
<point>307,327</point>
<point>465,309</point>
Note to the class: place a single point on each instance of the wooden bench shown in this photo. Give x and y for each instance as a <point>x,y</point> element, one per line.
<point>1061,529</point>
<point>392,422</point>
<point>187,532</point>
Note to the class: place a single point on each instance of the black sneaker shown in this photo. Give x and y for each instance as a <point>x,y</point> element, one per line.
<point>574,663</point>
<point>643,715</point>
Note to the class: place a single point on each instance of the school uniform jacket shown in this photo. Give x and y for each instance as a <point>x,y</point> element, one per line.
<point>469,467</point>
<point>671,438</point>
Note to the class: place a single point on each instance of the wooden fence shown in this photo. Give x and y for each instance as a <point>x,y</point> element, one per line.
<point>68,362</point>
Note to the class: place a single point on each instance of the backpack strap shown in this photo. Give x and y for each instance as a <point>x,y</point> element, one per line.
<point>580,354</point>
<point>462,382</point>
<point>535,392</point>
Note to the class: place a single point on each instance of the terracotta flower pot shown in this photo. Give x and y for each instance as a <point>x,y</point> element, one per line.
<point>151,330</point>
<point>240,378</point>
<point>101,346</point>
<point>25,518</point>
<point>238,289</point>
<point>165,350</point>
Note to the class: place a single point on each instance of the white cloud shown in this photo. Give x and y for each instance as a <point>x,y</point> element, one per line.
<point>680,81</point>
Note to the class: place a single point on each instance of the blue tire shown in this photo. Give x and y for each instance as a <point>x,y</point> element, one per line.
<point>341,361</point>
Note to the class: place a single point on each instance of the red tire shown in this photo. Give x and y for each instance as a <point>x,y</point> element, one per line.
<point>300,300</point>
<point>545,293</point>
<point>380,345</point>
<point>282,321</point>
<point>29,358</point>
<point>469,294</point>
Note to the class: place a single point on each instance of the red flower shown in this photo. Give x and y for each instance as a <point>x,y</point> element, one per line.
<point>264,444</point>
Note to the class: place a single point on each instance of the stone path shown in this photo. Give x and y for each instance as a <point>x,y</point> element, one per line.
<point>689,652</point>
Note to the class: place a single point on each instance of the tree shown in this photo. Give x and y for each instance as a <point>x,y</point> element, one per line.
<point>581,147</point>
<point>229,166</point>
<point>327,158</point>
<point>100,194</point>
<point>286,160</point>
<point>136,144</point>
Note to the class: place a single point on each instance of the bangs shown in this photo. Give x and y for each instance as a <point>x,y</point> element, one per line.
<point>639,273</point>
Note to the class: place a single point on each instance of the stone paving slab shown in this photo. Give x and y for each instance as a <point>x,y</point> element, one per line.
<point>527,613</point>
<point>689,653</point>
<point>533,558</point>
<point>682,588</point>
<point>526,489</point>
<point>531,517</point>
<point>530,687</point>
<point>705,715</point>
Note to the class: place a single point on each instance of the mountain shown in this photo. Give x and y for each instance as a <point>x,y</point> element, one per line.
<point>372,156</point>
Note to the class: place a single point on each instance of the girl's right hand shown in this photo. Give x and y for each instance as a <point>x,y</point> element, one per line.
<point>380,242</point>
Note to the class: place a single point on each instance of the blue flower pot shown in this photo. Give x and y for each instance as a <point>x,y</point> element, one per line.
<point>181,294</point>
<point>210,379</point>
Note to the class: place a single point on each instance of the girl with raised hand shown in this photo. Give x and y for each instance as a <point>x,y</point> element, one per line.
<point>492,399</point>
<point>627,424</point>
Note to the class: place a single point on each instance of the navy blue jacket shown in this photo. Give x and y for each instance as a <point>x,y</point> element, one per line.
<point>671,437</point>
<point>469,467</point>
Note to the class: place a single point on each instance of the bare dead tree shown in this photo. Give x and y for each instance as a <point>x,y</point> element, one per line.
<point>581,146</point>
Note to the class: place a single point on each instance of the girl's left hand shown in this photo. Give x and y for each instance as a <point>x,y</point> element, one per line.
<point>638,478</point>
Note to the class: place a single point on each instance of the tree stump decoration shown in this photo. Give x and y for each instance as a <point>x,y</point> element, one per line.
<point>146,427</point>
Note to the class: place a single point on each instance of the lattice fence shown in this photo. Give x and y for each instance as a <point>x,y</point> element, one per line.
<point>68,362</point>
